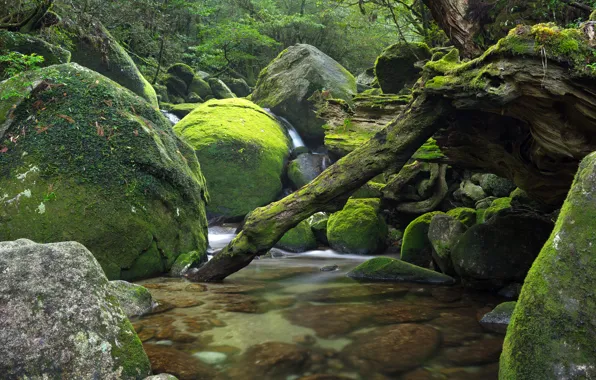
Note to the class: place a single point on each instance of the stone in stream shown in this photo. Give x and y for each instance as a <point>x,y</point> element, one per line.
<point>270,360</point>
<point>498,319</point>
<point>416,248</point>
<point>60,318</point>
<point>298,239</point>
<point>161,376</point>
<point>553,330</point>
<point>288,82</point>
<point>444,232</point>
<point>135,300</point>
<point>305,168</point>
<point>359,228</point>
<point>388,269</point>
<point>242,150</point>
<point>211,358</point>
<point>124,185</point>
<point>329,268</point>
<point>238,86</point>
<point>178,363</point>
<point>392,349</point>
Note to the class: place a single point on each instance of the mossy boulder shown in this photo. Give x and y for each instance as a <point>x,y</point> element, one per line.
<point>85,159</point>
<point>135,300</point>
<point>496,206</point>
<point>464,214</point>
<point>299,239</point>
<point>184,72</point>
<point>186,261</point>
<point>286,85</point>
<point>444,232</point>
<point>60,319</point>
<point>238,86</point>
<point>177,89</point>
<point>416,247</point>
<point>553,330</point>
<point>318,225</point>
<point>500,251</point>
<point>27,44</point>
<point>242,150</point>
<point>388,269</point>
<point>494,185</point>
<point>200,87</point>
<point>358,229</point>
<point>397,67</point>
<point>219,89</point>
<point>94,47</point>
<point>498,319</point>
<point>305,168</point>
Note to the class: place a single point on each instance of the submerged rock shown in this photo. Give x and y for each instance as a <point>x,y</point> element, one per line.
<point>416,248</point>
<point>135,300</point>
<point>60,318</point>
<point>242,150</point>
<point>387,269</point>
<point>286,85</point>
<point>498,319</point>
<point>99,166</point>
<point>178,363</point>
<point>358,229</point>
<point>553,330</point>
<point>396,67</point>
<point>270,360</point>
<point>298,239</point>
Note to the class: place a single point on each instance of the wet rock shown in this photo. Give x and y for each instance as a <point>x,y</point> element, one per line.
<point>305,168</point>
<point>355,293</point>
<point>186,261</point>
<point>446,294</point>
<point>178,363</point>
<point>392,349</point>
<point>477,352</point>
<point>211,358</point>
<point>329,320</point>
<point>387,269</point>
<point>498,319</point>
<point>268,360</point>
<point>457,328</point>
<point>59,317</point>
<point>511,291</point>
<point>401,312</point>
<point>239,303</point>
<point>444,232</point>
<point>135,300</point>
<point>305,340</point>
<point>329,268</point>
<point>162,376</point>
<point>238,86</point>
<point>416,248</point>
<point>298,239</point>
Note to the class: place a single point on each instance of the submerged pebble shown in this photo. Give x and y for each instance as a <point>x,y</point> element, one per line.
<point>209,357</point>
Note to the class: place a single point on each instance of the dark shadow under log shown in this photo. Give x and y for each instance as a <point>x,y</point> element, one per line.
<point>392,146</point>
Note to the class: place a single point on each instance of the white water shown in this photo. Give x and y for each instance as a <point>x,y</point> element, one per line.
<point>292,132</point>
<point>171,117</point>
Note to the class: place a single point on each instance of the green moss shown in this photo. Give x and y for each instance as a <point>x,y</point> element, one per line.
<point>369,190</point>
<point>395,67</point>
<point>180,110</point>
<point>416,248</point>
<point>99,166</point>
<point>128,353</point>
<point>200,87</point>
<point>429,151</point>
<point>464,214</point>
<point>496,206</point>
<point>182,71</point>
<point>242,151</point>
<point>552,330</point>
<point>358,228</point>
<point>27,44</point>
<point>298,239</point>
<point>388,269</point>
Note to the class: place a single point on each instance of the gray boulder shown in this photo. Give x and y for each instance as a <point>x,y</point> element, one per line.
<point>286,85</point>
<point>498,319</point>
<point>305,168</point>
<point>444,232</point>
<point>219,89</point>
<point>238,86</point>
<point>135,300</point>
<point>59,319</point>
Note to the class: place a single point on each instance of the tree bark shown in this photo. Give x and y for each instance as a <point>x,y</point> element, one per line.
<point>392,146</point>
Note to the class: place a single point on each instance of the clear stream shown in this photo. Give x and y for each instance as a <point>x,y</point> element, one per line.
<point>284,318</point>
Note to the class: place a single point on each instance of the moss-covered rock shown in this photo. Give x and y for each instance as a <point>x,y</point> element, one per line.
<point>177,89</point>
<point>444,232</point>
<point>186,261</point>
<point>388,269</point>
<point>305,168</point>
<point>200,87</point>
<point>94,47</point>
<point>552,331</point>
<point>371,189</point>
<point>242,150</point>
<point>85,159</point>
<point>358,229</point>
<point>184,72</point>
<point>219,89</point>
<point>416,248</point>
<point>27,45</point>
<point>396,66</point>
<point>299,239</point>
<point>464,214</point>
<point>495,207</point>
<point>494,185</point>
<point>501,250</point>
<point>318,225</point>
<point>135,300</point>
<point>287,84</point>
<point>498,319</point>
<point>60,319</point>
<point>238,86</point>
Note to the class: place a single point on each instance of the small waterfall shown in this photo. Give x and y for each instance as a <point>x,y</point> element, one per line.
<point>292,132</point>
<point>171,117</point>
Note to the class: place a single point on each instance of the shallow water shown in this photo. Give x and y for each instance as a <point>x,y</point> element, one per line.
<point>286,319</point>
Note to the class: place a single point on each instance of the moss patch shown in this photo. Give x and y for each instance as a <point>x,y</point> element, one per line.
<point>299,239</point>
<point>416,248</point>
<point>387,269</point>
<point>464,214</point>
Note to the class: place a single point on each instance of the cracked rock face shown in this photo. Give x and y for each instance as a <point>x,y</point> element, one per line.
<point>59,319</point>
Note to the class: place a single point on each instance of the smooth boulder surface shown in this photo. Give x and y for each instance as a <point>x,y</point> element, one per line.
<point>238,86</point>
<point>500,251</point>
<point>553,330</point>
<point>59,318</point>
<point>286,85</point>
<point>388,269</point>
<point>99,166</point>
<point>396,67</point>
<point>242,150</point>
<point>135,300</point>
<point>359,228</point>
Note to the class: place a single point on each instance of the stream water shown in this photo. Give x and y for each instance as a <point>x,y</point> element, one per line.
<point>285,318</point>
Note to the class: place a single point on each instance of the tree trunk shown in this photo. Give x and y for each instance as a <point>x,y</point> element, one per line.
<point>392,146</point>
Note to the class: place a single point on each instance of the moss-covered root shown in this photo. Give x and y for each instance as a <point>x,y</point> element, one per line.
<point>394,145</point>
<point>553,329</point>
<point>438,175</point>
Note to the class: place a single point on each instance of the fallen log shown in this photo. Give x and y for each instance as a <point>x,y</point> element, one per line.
<point>392,146</point>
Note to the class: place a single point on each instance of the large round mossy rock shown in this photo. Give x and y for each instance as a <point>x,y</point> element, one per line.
<point>200,87</point>
<point>242,150</point>
<point>94,47</point>
<point>299,239</point>
<point>500,251</point>
<point>184,72</point>
<point>286,85</point>
<point>27,44</point>
<point>60,319</point>
<point>396,67</point>
<point>416,248</point>
<point>84,159</point>
<point>553,329</point>
<point>359,228</point>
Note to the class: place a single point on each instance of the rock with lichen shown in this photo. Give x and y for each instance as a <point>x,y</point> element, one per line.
<point>60,318</point>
